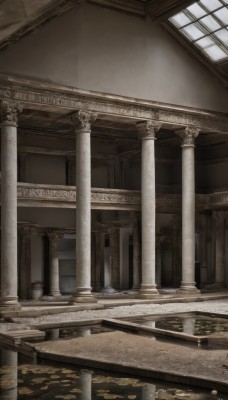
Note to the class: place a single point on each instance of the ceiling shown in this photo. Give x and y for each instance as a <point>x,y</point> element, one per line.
<point>20,17</point>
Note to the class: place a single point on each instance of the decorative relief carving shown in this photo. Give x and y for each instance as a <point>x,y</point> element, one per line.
<point>148,129</point>
<point>33,94</point>
<point>9,112</point>
<point>188,135</point>
<point>84,118</point>
<point>34,193</point>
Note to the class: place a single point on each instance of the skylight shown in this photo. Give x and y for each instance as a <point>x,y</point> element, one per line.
<point>205,24</point>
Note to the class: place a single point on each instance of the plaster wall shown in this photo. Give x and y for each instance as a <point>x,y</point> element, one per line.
<point>97,49</point>
<point>45,169</point>
<point>212,177</point>
<point>48,217</point>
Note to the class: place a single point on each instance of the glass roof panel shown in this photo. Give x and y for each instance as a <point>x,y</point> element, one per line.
<point>222,14</point>
<point>205,42</point>
<point>193,32</point>
<point>196,10</point>
<point>223,36</point>
<point>205,24</point>
<point>211,5</point>
<point>181,19</point>
<point>210,23</point>
<point>215,53</point>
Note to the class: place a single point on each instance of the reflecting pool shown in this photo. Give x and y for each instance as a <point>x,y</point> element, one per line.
<point>20,379</point>
<point>197,325</point>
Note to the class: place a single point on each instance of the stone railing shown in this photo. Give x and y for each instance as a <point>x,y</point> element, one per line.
<point>34,195</point>
<point>61,196</point>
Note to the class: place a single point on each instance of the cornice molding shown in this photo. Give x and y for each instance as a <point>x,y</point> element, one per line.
<point>46,96</point>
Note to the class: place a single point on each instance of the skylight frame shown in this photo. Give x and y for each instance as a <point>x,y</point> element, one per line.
<point>196,22</point>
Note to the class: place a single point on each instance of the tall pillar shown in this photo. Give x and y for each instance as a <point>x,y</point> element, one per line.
<point>54,264</point>
<point>136,253</point>
<point>147,132</point>
<point>83,121</point>
<point>9,114</point>
<point>219,220</point>
<point>24,261</point>
<point>203,250</point>
<point>158,275</point>
<point>114,259</point>
<point>188,283</point>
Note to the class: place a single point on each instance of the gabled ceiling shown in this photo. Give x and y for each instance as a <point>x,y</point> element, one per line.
<point>21,17</point>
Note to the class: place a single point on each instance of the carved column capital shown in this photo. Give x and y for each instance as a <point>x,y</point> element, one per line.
<point>9,112</point>
<point>188,135</point>
<point>52,235</point>
<point>84,119</point>
<point>148,129</point>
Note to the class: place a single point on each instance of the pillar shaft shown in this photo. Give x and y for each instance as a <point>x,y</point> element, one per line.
<point>83,208</point>
<point>9,206</point>
<point>136,255</point>
<point>148,130</point>
<point>24,262</point>
<point>219,248</point>
<point>188,136</point>
<point>53,265</point>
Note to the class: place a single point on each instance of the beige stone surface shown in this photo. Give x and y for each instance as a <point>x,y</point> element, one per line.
<point>145,352</point>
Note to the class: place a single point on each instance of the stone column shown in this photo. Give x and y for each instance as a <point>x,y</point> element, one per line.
<point>176,250</point>
<point>136,253</point>
<point>82,294</point>
<point>53,264</point>
<point>158,275</point>
<point>188,136</point>
<point>203,250</point>
<point>24,262</point>
<point>114,241</point>
<point>219,221</point>
<point>147,132</point>
<point>9,113</point>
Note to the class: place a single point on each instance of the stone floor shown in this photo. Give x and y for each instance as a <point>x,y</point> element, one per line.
<point>126,352</point>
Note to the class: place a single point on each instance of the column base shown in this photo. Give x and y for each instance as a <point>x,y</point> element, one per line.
<point>108,290</point>
<point>8,303</point>
<point>148,292</point>
<point>55,294</point>
<point>188,289</point>
<point>82,295</point>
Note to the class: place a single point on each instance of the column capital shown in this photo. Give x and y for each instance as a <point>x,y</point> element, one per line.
<point>188,135</point>
<point>9,112</point>
<point>148,129</point>
<point>52,235</point>
<point>83,119</point>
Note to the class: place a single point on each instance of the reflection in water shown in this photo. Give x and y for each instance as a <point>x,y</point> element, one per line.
<point>21,381</point>
<point>8,382</point>
<point>189,326</point>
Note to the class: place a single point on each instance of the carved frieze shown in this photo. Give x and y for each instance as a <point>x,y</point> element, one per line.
<point>32,95</point>
<point>36,195</point>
